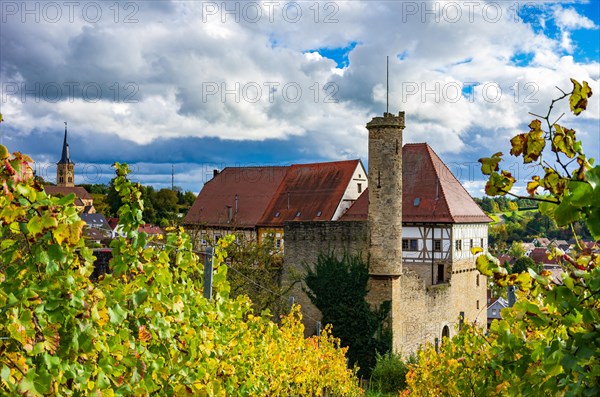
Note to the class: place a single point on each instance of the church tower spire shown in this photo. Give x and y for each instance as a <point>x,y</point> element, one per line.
<point>65,168</point>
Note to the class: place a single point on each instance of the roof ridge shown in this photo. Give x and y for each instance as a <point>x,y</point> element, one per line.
<point>324,162</point>
<point>255,166</point>
<point>442,186</point>
<point>430,153</point>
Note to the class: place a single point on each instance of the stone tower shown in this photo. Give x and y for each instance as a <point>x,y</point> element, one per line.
<point>385,214</point>
<point>65,168</point>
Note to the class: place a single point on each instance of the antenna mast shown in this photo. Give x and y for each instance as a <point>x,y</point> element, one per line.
<point>387,82</point>
<point>172,177</point>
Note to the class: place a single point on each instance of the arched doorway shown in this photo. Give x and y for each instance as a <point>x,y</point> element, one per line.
<point>445,332</point>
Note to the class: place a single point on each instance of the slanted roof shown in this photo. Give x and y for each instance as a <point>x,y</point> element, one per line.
<point>254,187</point>
<point>112,222</point>
<point>65,157</point>
<point>97,221</point>
<point>359,209</point>
<point>430,192</point>
<point>150,229</point>
<point>499,303</point>
<point>442,198</point>
<point>540,255</point>
<point>79,191</point>
<point>309,192</point>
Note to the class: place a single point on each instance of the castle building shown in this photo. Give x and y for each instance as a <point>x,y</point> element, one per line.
<point>65,181</point>
<point>415,225</point>
<point>411,219</point>
<point>256,202</point>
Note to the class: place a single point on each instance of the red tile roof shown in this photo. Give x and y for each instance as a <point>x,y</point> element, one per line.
<point>79,191</point>
<point>441,197</point>
<point>112,222</point>
<point>309,192</point>
<point>540,255</point>
<point>255,187</point>
<point>150,229</point>
<point>359,210</point>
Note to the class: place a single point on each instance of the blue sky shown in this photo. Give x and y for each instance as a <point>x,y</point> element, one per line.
<point>202,85</point>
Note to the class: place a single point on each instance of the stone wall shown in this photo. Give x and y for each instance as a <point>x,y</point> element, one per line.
<point>304,242</point>
<point>423,310</point>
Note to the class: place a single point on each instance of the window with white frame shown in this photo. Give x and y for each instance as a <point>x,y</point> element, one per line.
<point>410,244</point>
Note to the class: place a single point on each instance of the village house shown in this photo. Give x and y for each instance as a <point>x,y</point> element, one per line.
<point>494,309</point>
<point>255,202</point>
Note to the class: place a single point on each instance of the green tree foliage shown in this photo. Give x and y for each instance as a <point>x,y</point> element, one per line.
<point>96,188</point>
<point>144,329</point>
<point>161,207</point>
<point>165,202</point>
<point>523,264</point>
<point>516,250</point>
<point>338,288</point>
<point>256,271</point>
<point>548,343</point>
<point>389,374</point>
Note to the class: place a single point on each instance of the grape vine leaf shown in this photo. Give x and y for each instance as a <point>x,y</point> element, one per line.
<point>579,97</point>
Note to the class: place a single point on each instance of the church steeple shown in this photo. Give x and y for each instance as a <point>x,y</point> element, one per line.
<point>65,168</point>
<point>66,157</point>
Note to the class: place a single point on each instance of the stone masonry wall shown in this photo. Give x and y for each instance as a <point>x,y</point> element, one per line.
<point>423,310</point>
<point>304,242</point>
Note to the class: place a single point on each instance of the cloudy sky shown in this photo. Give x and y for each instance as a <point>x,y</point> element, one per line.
<point>197,85</point>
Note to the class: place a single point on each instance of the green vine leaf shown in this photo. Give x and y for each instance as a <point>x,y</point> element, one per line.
<point>499,184</point>
<point>490,164</point>
<point>579,97</point>
<point>564,141</point>
<point>530,144</point>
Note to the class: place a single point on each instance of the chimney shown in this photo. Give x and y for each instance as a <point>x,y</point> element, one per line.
<point>511,296</point>
<point>236,203</point>
<point>215,173</point>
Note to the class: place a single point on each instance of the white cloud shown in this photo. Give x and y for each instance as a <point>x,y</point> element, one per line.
<point>196,76</point>
<point>569,18</point>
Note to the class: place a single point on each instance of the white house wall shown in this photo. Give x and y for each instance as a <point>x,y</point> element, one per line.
<point>470,235</point>
<point>359,177</point>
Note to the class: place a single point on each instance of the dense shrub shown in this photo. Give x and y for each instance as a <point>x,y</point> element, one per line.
<point>389,374</point>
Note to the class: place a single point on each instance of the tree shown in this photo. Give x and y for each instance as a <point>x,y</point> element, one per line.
<point>144,329</point>
<point>548,343</point>
<point>256,272</point>
<point>165,202</point>
<point>523,264</point>
<point>516,250</point>
<point>338,288</point>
